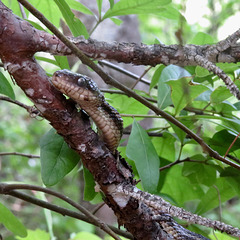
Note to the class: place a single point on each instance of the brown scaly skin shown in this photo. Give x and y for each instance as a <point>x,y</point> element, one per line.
<point>87,95</point>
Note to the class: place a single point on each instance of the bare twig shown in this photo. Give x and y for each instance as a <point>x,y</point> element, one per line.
<point>139,79</point>
<point>178,162</point>
<point>6,188</point>
<point>62,211</point>
<point>19,154</point>
<point>235,139</point>
<point>31,109</point>
<point>124,71</point>
<point>95,210</point>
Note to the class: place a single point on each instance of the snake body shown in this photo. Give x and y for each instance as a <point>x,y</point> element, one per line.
<point>84,91</point>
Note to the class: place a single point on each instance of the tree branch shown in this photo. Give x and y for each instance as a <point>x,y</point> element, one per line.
<point>31,109</point>
<point>7,188</point>
<point>62,211</point>
<point>19,154</point>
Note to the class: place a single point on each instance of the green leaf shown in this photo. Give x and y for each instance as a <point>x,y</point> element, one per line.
<point>205,96</point>
<point>85,235</point>
<point>184,91</point>
<point>170,13</point>
<point>202,38</point>
<point>220,94</point>
<point>99,4</point>
<point>232,124</point>
<point>36,25</point>
<point>221,236</point>
<point>141,150</point>
<point>173,72</point>
<point>126,7</point>
<point>62,62</point>
<point>111,3</point>
<point>175,186</point>
<point>126,105</point>
<point>117,21</point>
<point>210,199</point>
<point>47,60</point>
<point>89,191</point>
<point>57,159</point>
<point>76,26</point>
<point>229,68</point>
<point>156,76</point>
<point>201,72</point>
<point>11,222</point>
<point>179,132</point>
<point>165,146</point>
<point>199,173</point>
<point>14,6</point>
<point>164,91</point>
<point>36,235</point>
<point>79,7</point>
<point>222,140</point>
<point>225,108</point>
<point>50,10</point>
<point>5,87</point>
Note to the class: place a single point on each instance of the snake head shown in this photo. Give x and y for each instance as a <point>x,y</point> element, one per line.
<point>78,81</point>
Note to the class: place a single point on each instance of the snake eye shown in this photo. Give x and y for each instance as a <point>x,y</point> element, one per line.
<point>81,81</point>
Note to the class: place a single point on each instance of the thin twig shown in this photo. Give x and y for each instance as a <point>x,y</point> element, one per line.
<point>150,134</point>
<point>19,154</point>
<point>124,71</point>
<point>109,80</point>
<point>95,210</point>
<point>178,162</point>
<point>31,109</point>
<point>6,188</point>
<point>235,139</point>
<point>140,116</point>
<point>111,91</point>
<point>62,211</point>
<point>139,79</point>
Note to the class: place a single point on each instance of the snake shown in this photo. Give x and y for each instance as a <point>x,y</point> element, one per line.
<point>85,92</point>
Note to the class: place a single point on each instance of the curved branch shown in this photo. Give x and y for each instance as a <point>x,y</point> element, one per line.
<point>7,188</point>
<point>62,211</point>
<point>31,109</point>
